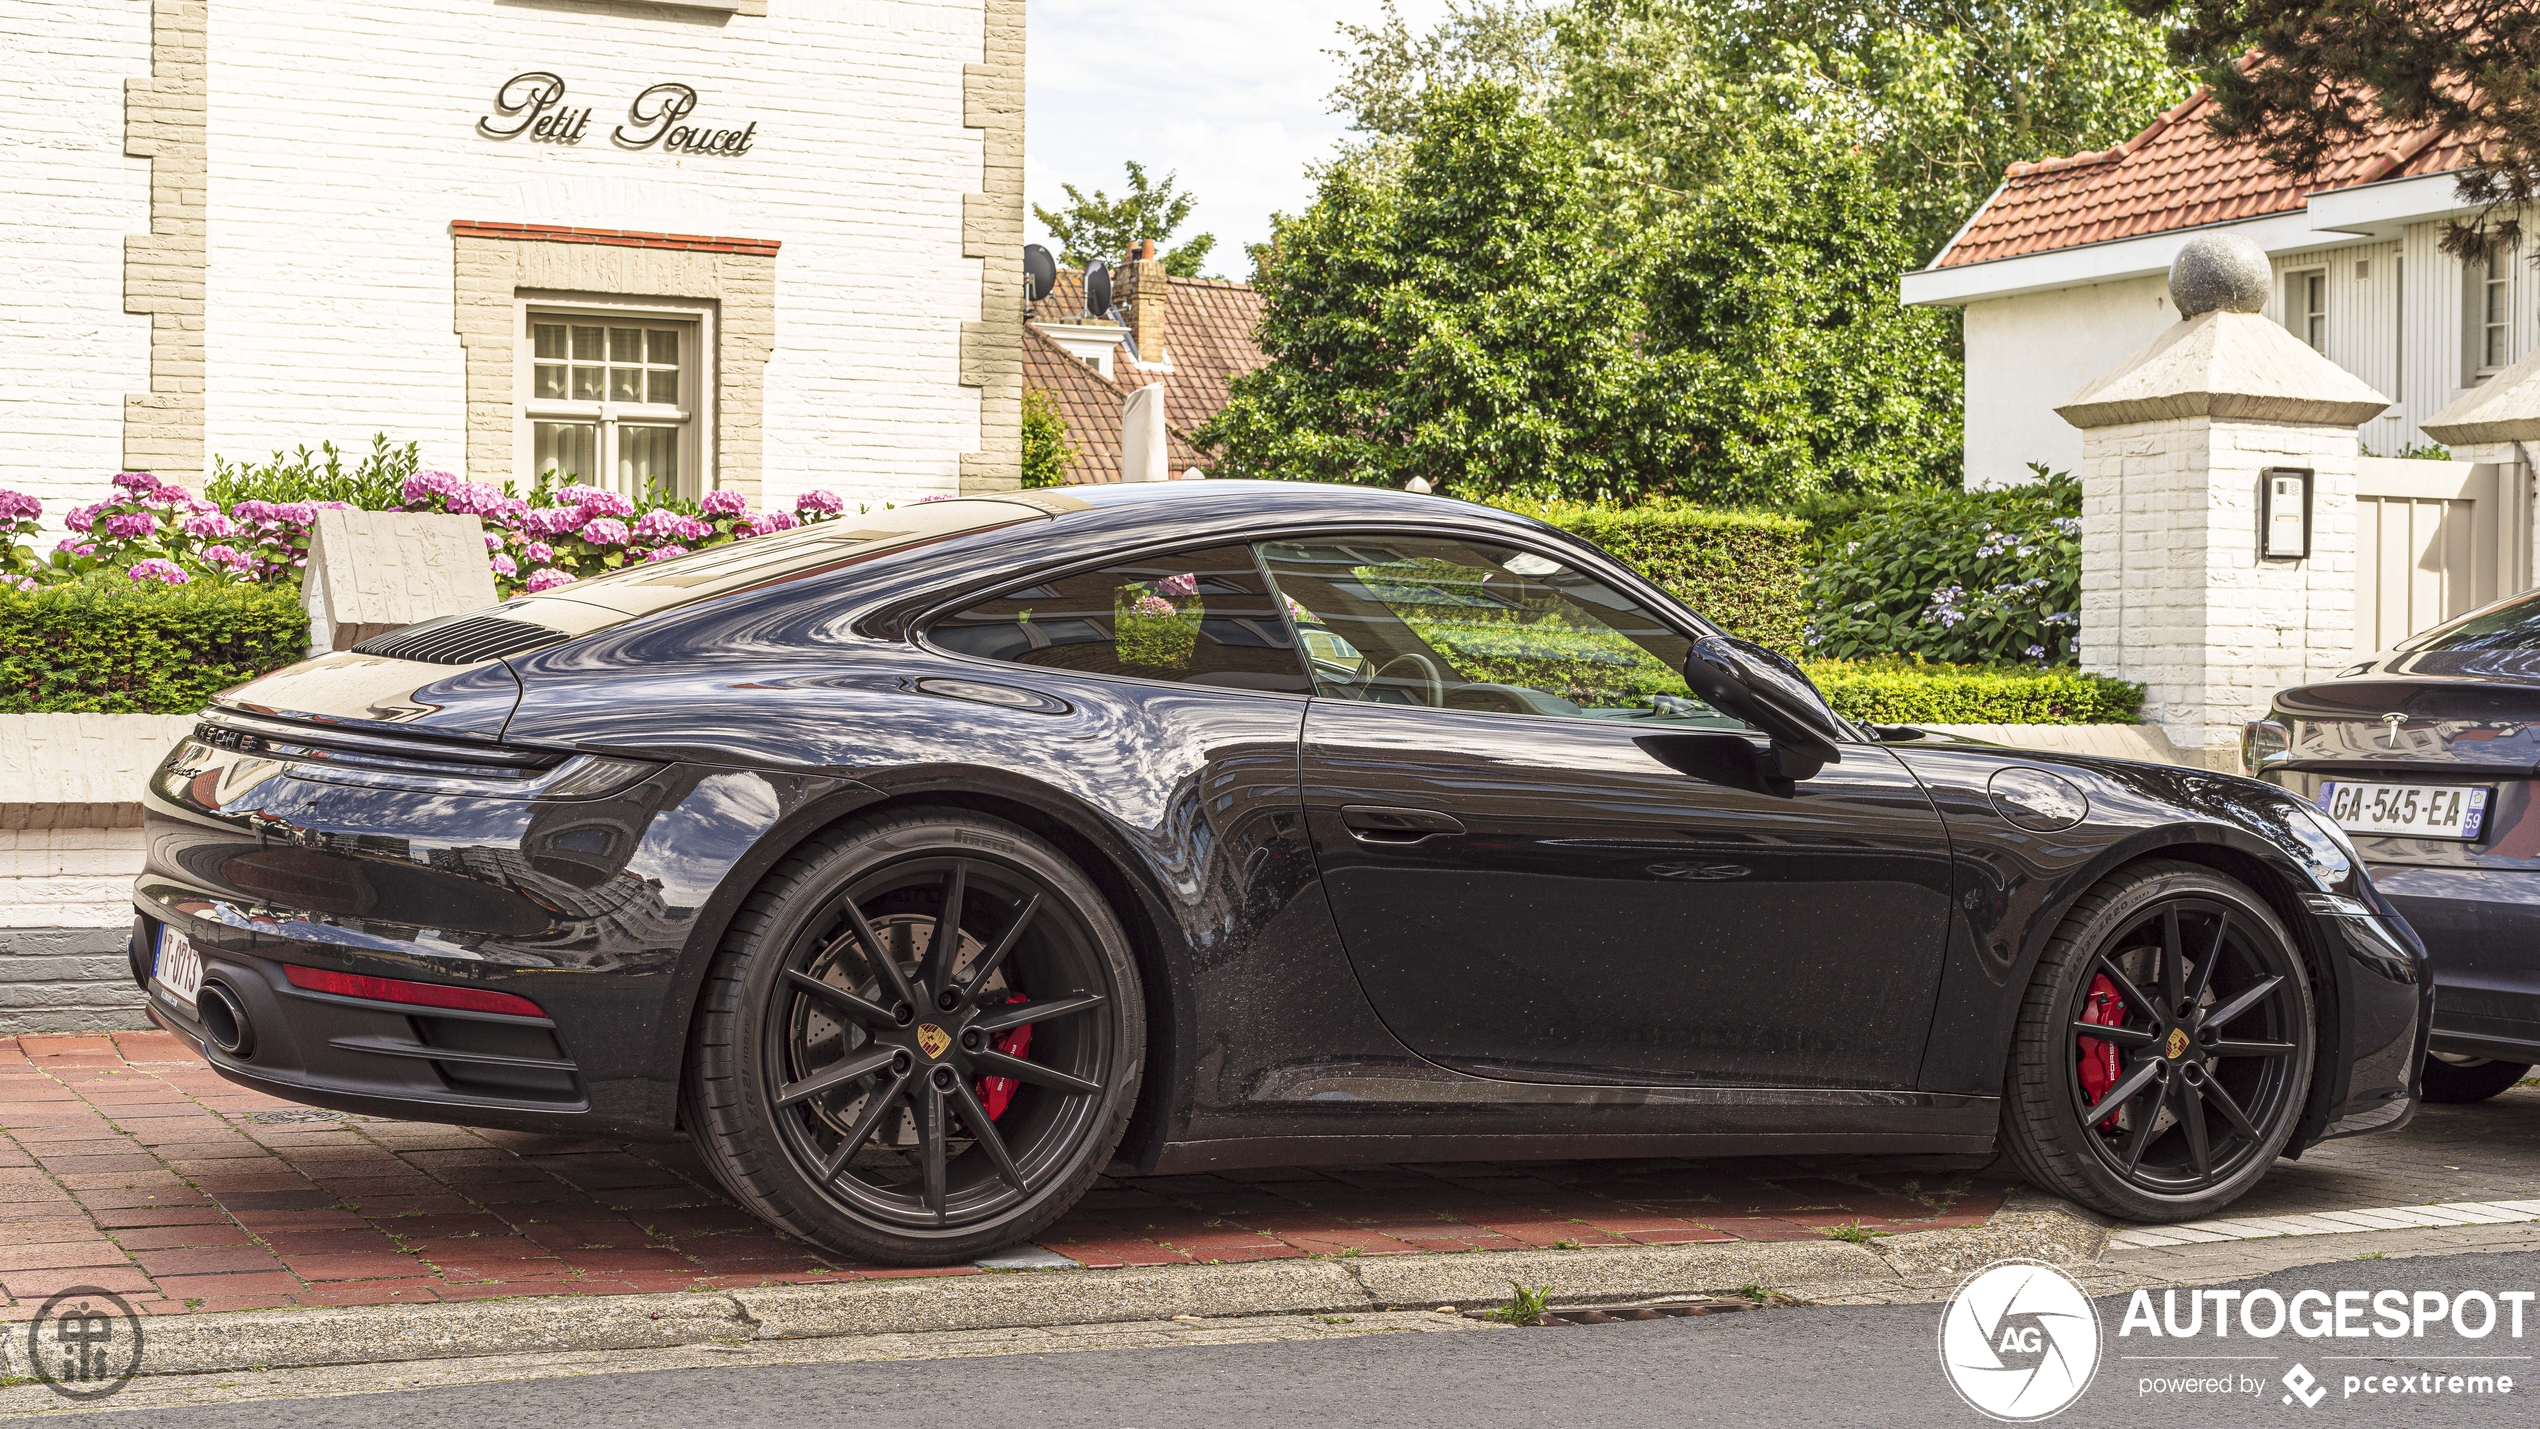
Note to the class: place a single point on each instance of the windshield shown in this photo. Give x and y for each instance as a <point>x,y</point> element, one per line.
<point>2510,625</point>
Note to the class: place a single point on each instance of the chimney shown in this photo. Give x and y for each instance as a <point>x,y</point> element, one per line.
<point>1148,293</point>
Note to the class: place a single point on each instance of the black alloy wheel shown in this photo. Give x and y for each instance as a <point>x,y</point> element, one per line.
<point>2165,1047</point>
<point>922,1041</point>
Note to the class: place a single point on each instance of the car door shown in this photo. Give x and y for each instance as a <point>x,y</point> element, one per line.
<point>1529,881</point>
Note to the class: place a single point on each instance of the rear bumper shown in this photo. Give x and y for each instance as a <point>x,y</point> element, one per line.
<point>2481,928</point>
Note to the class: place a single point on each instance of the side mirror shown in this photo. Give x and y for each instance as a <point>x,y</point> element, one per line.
<point>1744,680</point>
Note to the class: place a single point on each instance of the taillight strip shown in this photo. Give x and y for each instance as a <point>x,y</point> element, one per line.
<point>418,994</point>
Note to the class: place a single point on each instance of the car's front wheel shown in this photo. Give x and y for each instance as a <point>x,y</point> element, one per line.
<point>2164,1047</point>
<point>920,1042</point>
<point>2453,1078</point>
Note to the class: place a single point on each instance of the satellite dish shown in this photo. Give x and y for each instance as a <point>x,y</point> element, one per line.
<point>1098,289</point>
<point>1040,272</point>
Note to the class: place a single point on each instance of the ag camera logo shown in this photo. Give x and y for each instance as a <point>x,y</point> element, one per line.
<point>2019,1341</point>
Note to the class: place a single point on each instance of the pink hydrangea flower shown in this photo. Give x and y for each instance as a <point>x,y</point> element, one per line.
<point>604,531</point>
<point>213,527</point>
<point>18,506</point>
<point>723,503</point>
<point>506,566</point>
<point>768,523</point>
<point>547,578</point>
<point>136,481</point>
<point>691,529</point>
<point>819,503</point>
<point>595,502</point>
<point>538,553</point>
<point>1152,605</point>
<point>663,553</point>
<point>493,542</point>
<point>131,525</point>
<point>155,569</point>
<point>299,513</point>
<point>75,546</point>
<point>82,518</point>
<point>657,523</point>
<point>553,521</point>
<point>229,556</point>
<point>1181,587</point>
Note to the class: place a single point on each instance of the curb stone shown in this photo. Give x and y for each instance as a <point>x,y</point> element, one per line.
<point>2030,1225</point>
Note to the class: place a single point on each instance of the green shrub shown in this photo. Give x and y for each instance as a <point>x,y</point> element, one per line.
<point>377,482</point>
<point>1046,452</point>
<point>1970,577</point>
<point>112,646</point>
<point>1897,691</point>
<point>1745,573</point>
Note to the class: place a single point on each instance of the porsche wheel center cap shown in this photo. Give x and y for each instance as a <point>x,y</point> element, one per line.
<point>2176,1047</point>
<point>932,1040</point>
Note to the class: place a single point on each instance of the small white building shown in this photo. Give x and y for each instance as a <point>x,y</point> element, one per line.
<point>2061,275</point>
<point>762,245</point>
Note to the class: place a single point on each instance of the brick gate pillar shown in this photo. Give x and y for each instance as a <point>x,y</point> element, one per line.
<point>2178,593</point>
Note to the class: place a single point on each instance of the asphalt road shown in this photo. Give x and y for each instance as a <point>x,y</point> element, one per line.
<point>1873,1365</point>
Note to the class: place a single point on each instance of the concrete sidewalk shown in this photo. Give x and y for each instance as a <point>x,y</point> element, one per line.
<point>129,1165</point>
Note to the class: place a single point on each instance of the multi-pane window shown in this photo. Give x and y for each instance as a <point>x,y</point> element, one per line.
<point>2306,306</point>
<point>2496,311</point>
<point>611,401</point>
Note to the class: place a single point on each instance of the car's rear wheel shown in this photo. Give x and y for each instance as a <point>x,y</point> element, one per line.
<point>920,1042</point>
<point>2453,1078</point>
<point>2163,1049</point>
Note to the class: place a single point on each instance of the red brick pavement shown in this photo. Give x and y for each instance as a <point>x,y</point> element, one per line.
<point>129,1165</point>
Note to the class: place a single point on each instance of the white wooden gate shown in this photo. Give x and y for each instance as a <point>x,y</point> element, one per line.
<point>2435,539</point>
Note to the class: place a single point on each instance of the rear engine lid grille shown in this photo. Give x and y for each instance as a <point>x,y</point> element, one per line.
<point>460,640</point>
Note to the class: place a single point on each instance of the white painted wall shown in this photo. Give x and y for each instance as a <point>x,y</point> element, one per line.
<point>2027,354</point>
<point>68,351</point>
<point>343,145</point>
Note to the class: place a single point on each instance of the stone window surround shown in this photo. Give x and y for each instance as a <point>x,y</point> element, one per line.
<point>696,320</point>
<point>498,267</point>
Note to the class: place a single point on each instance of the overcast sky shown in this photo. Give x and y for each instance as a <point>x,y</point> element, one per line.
<point>1228,94</point>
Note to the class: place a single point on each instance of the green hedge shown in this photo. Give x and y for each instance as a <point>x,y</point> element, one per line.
<point>123,647</point>
<point>1745,573</point>
<point>1898,691</point>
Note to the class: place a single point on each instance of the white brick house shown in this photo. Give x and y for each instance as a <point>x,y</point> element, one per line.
<point>242,225</point>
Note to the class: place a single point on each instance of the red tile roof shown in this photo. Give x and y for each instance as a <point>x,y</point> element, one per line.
<point>1208,334</point>
<point>2177,175</point>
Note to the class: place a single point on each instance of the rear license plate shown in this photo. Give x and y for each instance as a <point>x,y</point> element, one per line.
<point>2424,811</point>
<point>179,968</point>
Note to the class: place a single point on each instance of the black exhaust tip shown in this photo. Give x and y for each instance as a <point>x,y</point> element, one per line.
<point>224,1020</point>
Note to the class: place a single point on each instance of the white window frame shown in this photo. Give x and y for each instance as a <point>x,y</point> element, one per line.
<point>2496,272</point>
<point>694,413</point>
<point>2299,316</point>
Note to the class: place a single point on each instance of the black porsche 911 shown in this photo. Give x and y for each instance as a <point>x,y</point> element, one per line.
<point>919,868</point>
<point>2426,754</point>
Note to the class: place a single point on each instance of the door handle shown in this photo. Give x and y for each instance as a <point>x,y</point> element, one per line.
<point>1378,824</point>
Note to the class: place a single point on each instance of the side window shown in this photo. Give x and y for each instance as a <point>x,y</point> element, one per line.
<point>1472,626</point>
<point>1192,617</point>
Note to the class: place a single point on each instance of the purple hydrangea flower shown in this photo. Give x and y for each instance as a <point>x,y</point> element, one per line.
<point>689,528</point>
<point>768,523</point>
<point>229,556</point>
<point>657,523</point>
<point>82,518</point>
<point>604,531</point>
<point>213,527</point>
<point>131,525</point>
<point>1152,605</point>
<point>18,506</point>
<point>1181,587</point>
<point>723,503</point>
<point>75,546</point>
<point>506,566</point>
<point>819,503</point>
<point>595,502</point>
<point>155,569</point>
<point>297,513</point>
<point>136,481</point>
<point>538,553</point>
<point>547,578</point>
<point>663,553</point>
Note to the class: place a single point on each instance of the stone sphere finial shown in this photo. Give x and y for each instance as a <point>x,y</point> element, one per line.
<point>2220,271</point>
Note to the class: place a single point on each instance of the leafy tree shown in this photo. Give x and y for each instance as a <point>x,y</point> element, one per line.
<point>1449,313</point>
<point>2327,71</point>
<point>1102,227</point>
<point>1046,451</point>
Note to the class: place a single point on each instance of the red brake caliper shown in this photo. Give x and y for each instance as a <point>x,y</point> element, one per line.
<point>995,1092</point>
<point>2103,1008</point>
